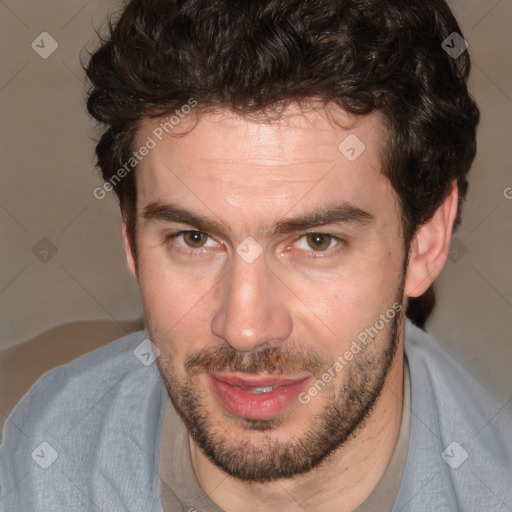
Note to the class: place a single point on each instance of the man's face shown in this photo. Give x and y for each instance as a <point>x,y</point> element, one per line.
<point>250,309</point>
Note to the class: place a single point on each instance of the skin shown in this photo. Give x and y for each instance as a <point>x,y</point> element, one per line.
<point>293,298</point>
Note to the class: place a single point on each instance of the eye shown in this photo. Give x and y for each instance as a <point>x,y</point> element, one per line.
<point>318,242</point>
<point>191,239</point>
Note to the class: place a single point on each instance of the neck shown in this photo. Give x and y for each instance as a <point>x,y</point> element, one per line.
<point>343,482</point>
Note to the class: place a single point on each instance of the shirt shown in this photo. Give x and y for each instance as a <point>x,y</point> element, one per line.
<point>88,433</point>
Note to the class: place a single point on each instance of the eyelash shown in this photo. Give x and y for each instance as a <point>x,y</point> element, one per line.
<point>313,254</point>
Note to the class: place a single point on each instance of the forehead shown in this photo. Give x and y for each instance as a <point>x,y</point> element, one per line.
<point>223,162</point>
<point>264,137</point>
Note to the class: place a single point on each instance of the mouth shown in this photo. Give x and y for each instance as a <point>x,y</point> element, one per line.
<point>257,396</point>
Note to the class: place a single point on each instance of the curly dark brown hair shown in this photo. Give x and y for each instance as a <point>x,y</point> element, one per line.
<point>257,55</point>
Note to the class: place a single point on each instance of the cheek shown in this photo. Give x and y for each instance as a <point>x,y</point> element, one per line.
<point>340,307</point>
<point>169,289</point>
<point>176,303</point>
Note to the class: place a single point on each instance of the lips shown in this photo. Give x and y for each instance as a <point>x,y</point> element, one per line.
<point>251,381</point>
<point>257,396</point>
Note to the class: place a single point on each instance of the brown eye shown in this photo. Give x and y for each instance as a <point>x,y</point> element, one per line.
<point>195,239</point>
<point>318,241</point>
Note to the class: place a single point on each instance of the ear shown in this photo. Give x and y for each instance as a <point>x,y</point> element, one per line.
<point>431,245</point>
<point>130,261</point>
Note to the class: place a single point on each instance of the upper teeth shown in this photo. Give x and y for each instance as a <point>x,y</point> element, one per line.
<point>262,389</point>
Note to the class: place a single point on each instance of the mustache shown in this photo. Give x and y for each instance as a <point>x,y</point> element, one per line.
<point>270,359</point>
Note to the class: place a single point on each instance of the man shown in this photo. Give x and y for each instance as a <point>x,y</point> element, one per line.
<point>289,174</point>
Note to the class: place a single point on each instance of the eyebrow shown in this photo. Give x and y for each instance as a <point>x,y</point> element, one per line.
<point>339,213</point>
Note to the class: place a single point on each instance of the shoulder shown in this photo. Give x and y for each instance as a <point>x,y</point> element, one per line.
<point>95,415</point>
<point>75,385</point>
<point>460,432</point>
<point>461,398</point>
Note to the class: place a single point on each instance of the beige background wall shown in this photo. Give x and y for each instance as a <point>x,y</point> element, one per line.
<point>48,178</point>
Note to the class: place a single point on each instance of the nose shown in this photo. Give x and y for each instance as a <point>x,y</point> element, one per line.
<point>252,312</point>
